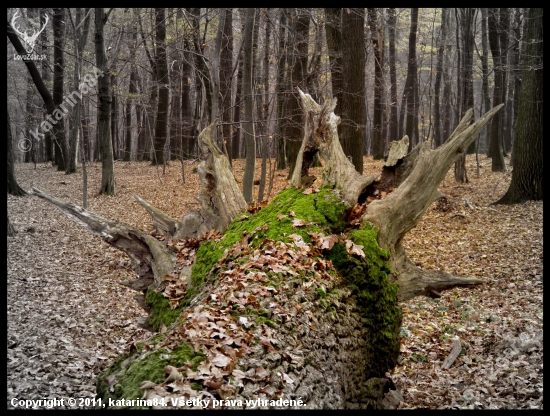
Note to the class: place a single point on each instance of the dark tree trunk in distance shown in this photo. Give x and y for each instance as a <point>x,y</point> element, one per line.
<point>527,175</point>
<point>353,84</point>
<point>13,186</point>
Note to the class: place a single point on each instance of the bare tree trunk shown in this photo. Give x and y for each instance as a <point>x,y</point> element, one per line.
<point>48,143</point>
<point>265,108</point>
<point>108,186</point>
<point>298,41</point>
<point>466,78</point>
<point>248,128</point>
<point>236,133</point>
<point>438,137</point>
<point>162,77</point>
<point>333,30</point>
<point>80,35</point>
<point>13,186</point>
<point>527,175</point>
<point>353,76</point>
<point>377,45</point>
<point>131,99</point>
<point>485,70</point>
<point>393,77</point>
<point>60,143</point>
<point>281,87</point>
<point>411,79</point>
<point>495,144</point>
<point>226,75</point>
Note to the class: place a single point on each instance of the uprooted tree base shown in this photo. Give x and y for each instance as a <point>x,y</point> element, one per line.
<point>294,301</point>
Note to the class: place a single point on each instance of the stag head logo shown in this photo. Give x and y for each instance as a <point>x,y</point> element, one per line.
<point>29,41</point>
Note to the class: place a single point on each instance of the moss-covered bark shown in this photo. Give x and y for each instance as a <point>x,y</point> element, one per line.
<point>331,317</point>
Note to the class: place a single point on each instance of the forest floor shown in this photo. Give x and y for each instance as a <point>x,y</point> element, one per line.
<point>69,318</point>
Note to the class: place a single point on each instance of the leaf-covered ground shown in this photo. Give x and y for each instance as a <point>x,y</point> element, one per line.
<point>69,318</point>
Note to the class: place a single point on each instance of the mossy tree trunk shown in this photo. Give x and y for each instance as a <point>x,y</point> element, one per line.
<point>296,301</point>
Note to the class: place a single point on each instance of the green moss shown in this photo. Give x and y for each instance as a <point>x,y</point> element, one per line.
<point>376,297</point>
<point>323,211</point>
<point>160,312</point>
<point>131,372</point>
<point>263,320</point>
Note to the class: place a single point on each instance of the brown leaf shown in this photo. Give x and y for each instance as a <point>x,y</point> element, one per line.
<point>298,223</point>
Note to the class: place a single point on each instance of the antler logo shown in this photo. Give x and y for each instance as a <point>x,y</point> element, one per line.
<point>29,41</point>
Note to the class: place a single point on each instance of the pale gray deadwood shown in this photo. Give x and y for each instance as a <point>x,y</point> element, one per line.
<point>321,134</point>
<point>401,210</point>
<point>421,173</point>
<point>146,252</point>
<point>453,355</point>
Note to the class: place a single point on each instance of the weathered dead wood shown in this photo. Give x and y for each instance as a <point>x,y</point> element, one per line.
<point>416,176</point>
<point>453,355</point>
<point>401,210</point>
<point>321,134</point>
<point>220,197</point>
<point>161,220</point>
<point>398,150</point>
<point>148,255</point>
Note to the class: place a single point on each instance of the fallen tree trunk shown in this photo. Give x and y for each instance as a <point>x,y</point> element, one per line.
<point>297,301</point>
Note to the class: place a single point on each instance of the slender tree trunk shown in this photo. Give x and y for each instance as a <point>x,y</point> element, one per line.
<point>393,77</point>
<point>439,74</point>
<point>186,109</point>
<point>48,142</point>
<point>114,117</point>
<point>466,86</point>
<point>216,72</point>
<point>485,72</point>
<point>248,128</point>
<point>495,144</point>
<point>504,27</point>
<point>299,39</point>
<point>29,122</point>
<point>333,31</point>
<point>162,77</point>
<point>130,102</point>
<point>265,108</point>
<point>378,49</point>
<point>411,79</point>
<point>226,80</point>
<point>13,186</point>
<point>86,130</point>
<point>108,186</point>
<point>236,133</point>
<point>353,75</point>
<point>281,90</point>
<point>60,144</point>
<point>81,29</point>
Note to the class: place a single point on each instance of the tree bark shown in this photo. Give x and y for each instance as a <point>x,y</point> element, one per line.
<point>161,65</point>
<point>439,73</point>
<point>410,85</point>
<point>13,186</point>
<point>248,128</point>
<point>393,77</point>
<point>378,50</point>
<point>353,75</point>
<point>495,143</point>
<point>527,174</point>
<point>298,55</point>
<point>60,143</point>
<point>108,186</point>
